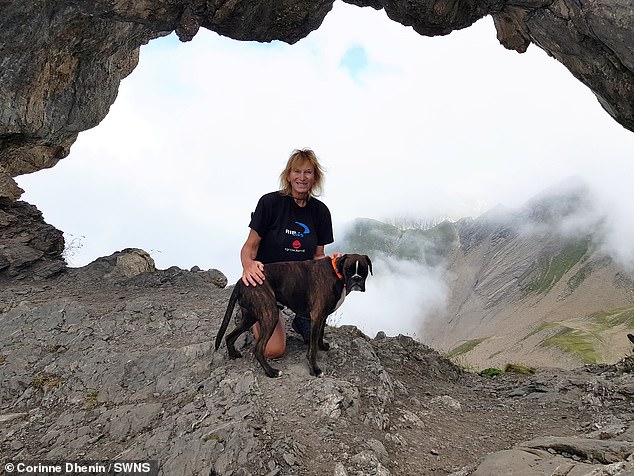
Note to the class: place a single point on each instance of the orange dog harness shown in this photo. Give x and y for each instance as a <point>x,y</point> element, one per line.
<point>334,266</point>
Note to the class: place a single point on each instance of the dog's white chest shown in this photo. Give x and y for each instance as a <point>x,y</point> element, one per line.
<point>341,299</point>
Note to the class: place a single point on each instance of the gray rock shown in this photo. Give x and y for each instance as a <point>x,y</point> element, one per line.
<point>447,402</point>
<point>215,277</point>
<point>126,369</point>
<point>29,247</point>
<point>573,456</point>
<point>340,470</point>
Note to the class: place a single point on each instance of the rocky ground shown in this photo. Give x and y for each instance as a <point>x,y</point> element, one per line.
<point>96,364</point>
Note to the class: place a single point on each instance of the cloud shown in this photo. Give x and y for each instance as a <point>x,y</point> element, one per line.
<point>399,297</point>
<point>580,207</point>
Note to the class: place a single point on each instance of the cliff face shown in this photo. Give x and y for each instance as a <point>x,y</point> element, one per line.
<point>62,61</point>
<point>29,248</point>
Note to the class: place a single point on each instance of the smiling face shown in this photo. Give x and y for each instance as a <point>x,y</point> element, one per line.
<point>301,179</point>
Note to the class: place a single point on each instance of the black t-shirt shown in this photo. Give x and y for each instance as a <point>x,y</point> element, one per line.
<point>290,232</point>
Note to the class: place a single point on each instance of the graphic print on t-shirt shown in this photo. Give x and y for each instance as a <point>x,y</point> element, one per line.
<point>305,230</point>
<point>296,245</point>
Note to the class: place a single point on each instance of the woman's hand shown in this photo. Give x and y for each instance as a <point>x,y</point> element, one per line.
<point>252,270</point>
<point>253,273</point>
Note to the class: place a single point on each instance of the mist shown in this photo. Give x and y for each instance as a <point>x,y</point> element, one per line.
<point>399,297</point>
<point>407,286</point>
<point>584,207</point>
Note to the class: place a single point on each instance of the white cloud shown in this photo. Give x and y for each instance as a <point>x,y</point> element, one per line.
<point>399,296</point>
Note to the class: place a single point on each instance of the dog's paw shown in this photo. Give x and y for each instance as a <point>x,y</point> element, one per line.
<point>274,373</point>
<point>235,355</point>
<point>324,346</point>
<point>317,372</point>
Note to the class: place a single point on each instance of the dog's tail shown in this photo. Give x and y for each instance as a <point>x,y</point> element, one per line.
<point>225,321</point>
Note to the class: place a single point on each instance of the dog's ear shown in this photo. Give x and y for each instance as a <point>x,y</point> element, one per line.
<point>370,265</point>
<point>340,261</point>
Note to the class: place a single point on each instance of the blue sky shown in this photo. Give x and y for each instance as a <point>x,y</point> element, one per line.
<point>355,60</point>
<point>405,126</point>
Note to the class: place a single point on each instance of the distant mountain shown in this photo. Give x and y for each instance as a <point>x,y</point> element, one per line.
<point>529,286</point>
<point>427,246</point>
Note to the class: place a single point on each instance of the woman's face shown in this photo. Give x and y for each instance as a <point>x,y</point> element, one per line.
<point>301,178</point>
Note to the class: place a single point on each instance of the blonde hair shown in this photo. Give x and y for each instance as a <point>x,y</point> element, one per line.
<point>298,157</point>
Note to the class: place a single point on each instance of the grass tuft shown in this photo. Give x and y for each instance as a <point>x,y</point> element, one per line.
<point>212,437</point>
<point>45,381</point>
<point>466,347</point>
<point>519,369</point>
<point>90,401</point>
<point>491,372</point>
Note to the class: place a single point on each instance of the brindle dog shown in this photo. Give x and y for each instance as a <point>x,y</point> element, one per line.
<point>314,288</point>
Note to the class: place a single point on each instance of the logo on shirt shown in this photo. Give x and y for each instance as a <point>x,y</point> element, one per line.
<point>304,231</point>
<point>296,244</point>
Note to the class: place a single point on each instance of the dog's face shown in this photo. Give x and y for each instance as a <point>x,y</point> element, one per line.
<point>354,269</point>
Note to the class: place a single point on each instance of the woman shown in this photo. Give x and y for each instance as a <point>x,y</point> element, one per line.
<point>288,225</point>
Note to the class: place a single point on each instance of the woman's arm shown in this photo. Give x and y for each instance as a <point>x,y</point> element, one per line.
<point>320,253</point>
<point>252,270</point>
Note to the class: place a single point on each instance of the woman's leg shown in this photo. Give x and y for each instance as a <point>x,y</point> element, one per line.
<point>301,325</point>
<point>276,346</point>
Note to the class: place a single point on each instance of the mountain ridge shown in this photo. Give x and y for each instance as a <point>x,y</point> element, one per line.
<point>525,286</point>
